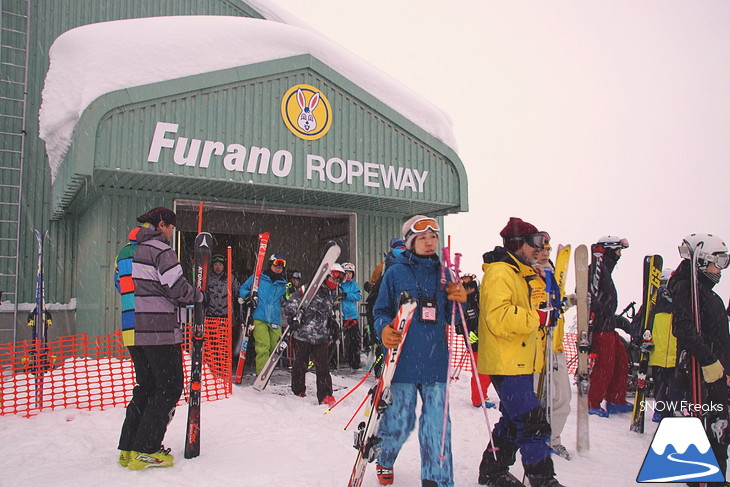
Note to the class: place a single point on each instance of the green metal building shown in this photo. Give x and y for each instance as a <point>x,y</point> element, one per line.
<point>224,137</point>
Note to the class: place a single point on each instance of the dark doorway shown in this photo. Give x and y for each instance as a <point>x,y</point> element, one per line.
<point>298,235</point>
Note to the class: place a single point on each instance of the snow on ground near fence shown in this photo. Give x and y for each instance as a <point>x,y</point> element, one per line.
<point>272,438</point>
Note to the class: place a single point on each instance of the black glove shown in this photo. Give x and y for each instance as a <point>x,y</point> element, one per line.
<point>205,298</point>
<point>294,324</point>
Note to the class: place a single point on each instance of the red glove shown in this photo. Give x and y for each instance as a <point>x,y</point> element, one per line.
<point>543,316</point>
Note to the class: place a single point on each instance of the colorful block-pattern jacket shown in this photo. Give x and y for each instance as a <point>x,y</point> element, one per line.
<point>149,278</point>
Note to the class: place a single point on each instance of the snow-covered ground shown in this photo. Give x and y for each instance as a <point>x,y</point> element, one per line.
<point>273,438</point>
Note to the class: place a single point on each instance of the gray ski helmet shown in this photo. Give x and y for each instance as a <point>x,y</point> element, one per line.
<point>613,242</point>
<point>349,266</point>
<point>708,247</point>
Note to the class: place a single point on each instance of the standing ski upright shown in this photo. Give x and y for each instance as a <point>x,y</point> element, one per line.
<point>652,281</point>
<point>247,323</point>
<point>202,254</point>
<point>581,291</point>
<point>39,319</point>
<point>331,253</point>
<point>367,443</point>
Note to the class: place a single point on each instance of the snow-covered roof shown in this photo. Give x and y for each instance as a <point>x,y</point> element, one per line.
<point>92,60</point>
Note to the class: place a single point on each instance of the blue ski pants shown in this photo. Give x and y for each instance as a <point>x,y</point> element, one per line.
<point>523,426</point>
<point>399,420</point>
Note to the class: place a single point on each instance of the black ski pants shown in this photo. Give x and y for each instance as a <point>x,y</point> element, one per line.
<point>159,374</point>
<point>352,344</point>
<point>317,353</point>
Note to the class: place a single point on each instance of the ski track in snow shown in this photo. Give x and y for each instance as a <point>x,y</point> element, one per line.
<point>273,438</point>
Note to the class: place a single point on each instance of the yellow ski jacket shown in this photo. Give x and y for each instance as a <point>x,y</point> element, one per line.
<point>508,324</point>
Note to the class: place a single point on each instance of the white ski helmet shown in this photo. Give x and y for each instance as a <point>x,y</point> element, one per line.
<point>349,266</point>
<point>613,242</point>
<point>709,248</point>
<point>337,268</point>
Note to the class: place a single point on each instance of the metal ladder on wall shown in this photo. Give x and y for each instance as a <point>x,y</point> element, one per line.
<point>14,43</point>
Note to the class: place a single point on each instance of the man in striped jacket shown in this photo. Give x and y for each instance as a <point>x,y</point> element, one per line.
<point>150,280</point>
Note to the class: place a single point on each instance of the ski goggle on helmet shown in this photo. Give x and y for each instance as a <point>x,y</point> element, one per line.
<point>423,225</point>
<point>277,260</point>
<point>337,271</point>
<point>708,247</point>
<point>612,242</point>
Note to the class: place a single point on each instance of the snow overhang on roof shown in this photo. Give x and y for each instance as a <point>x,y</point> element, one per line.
<point>91,60</point>
<point>92,63</point>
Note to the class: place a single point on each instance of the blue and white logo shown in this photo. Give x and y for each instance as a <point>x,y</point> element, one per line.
<point>680,452</point>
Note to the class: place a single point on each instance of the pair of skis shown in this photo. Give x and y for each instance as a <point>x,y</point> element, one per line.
<point>652,282</point>
<point>39,320</point>
<point>331,253</point>
<point>202,256</point>
<point>367,442</point>
<point>583,345</point>
<point>247,323</point>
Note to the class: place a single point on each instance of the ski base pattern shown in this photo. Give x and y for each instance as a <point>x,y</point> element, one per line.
<point>331,253</point>
<point>366,441</point>
<point>652,281</point>
<point>202,256</point>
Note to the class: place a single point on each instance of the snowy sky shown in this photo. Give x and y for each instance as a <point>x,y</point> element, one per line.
<point>584,118</point>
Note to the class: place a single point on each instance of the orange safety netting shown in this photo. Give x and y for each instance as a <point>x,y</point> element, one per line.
<point>460,358</point>
<point>86,372</point>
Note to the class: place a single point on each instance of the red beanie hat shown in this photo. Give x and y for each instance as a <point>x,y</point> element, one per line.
<point>515,229</point>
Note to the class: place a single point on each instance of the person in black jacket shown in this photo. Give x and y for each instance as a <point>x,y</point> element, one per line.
<point>471,313</point>
<point>610,373</point>
<point>709,341</point>
<point>312,337</point>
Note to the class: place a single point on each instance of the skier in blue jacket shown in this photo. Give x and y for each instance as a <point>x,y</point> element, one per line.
<point>423,364</point>
<point>351,296</point>
<point>267,308</point>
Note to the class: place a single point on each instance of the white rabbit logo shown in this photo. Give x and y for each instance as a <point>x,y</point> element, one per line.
<point>306,120</point>
<point>306,111</point>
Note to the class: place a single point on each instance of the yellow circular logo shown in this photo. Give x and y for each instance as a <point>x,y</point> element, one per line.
<point>306,112</point>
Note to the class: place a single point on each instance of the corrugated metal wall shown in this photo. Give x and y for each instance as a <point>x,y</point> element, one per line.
<point>248,113</point>
<point>49,19</point>
<point>102,231</point>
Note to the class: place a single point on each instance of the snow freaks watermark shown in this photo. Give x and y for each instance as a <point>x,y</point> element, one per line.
<point>680,452</point>
<point>685,408</point>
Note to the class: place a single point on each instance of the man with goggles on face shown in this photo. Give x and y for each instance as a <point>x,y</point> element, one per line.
<point>267,308</point>
<point>610,372</point>
<point>510,353</point>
